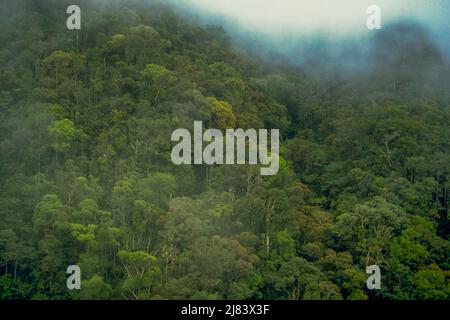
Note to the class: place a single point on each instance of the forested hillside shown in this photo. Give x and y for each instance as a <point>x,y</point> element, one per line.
<point>86,176</point>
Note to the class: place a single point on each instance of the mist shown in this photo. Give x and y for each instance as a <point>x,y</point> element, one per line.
<point>301,16</point>
<point>323,32</point>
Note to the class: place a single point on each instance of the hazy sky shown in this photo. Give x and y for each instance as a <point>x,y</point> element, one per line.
<point>303,16</point>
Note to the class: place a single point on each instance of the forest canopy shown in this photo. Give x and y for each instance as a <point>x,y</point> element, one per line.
<point>86,176</point>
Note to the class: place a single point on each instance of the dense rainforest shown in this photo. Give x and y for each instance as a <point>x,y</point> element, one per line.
<point>86,176</point>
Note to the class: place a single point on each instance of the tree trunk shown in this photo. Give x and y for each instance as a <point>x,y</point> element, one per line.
<point>15,270</point>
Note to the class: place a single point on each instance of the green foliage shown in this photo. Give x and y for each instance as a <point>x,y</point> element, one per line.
<point>86,176</point>
<point>63,132</point>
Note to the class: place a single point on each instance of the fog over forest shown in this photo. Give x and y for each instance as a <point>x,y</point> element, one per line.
<point>88,180</point>
<point>335,30</point>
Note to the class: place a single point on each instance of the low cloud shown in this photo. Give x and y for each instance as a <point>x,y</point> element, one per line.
<point>304,16</point>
